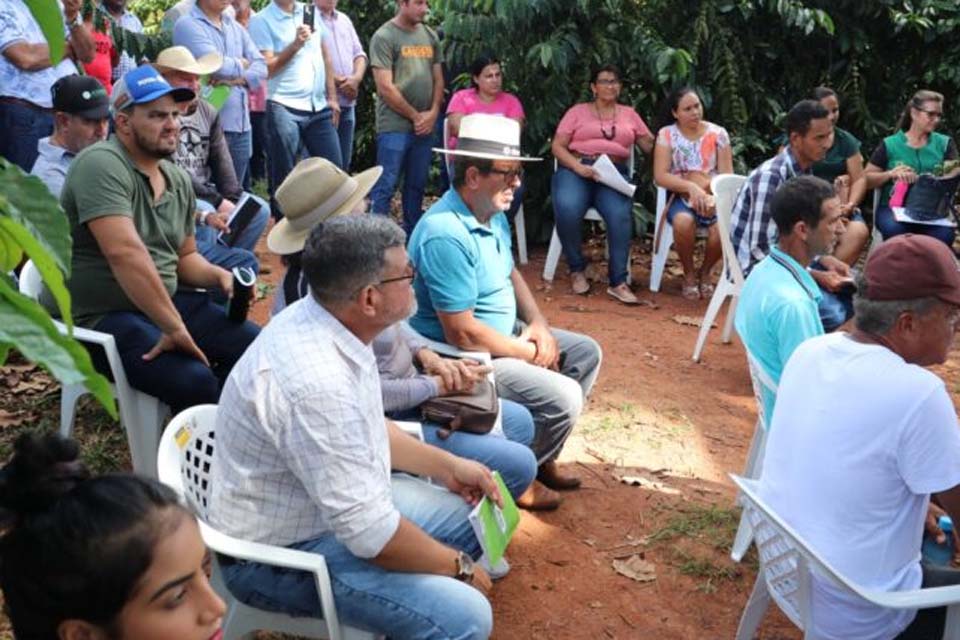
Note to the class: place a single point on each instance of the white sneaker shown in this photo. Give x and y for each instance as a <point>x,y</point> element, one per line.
<point>498,570</point>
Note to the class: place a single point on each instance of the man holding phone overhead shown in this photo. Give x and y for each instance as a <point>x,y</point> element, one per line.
<point>302,105</point>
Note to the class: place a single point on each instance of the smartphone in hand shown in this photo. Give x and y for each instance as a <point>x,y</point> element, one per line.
<point>308,12</point>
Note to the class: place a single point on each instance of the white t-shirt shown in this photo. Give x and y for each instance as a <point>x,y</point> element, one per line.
<point>858,442</point>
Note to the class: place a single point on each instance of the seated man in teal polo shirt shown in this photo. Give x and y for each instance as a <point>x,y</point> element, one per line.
<point>778,306</point>
<point>470,295</point>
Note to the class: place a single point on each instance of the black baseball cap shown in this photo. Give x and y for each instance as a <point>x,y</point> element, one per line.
<point>81,96</point>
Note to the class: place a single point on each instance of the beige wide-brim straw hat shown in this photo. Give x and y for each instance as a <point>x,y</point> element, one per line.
<point>180,59</point>
<point>488,136</point>
<point>316,190</point>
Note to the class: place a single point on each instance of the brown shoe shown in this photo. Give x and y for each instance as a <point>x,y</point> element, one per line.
<point>538,498</point>
<point>549,474</point>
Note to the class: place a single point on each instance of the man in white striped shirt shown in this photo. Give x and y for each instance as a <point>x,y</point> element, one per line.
<point>304,457</point>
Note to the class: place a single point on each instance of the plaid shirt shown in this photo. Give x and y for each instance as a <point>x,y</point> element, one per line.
<point>753,231</point>
<point>302,446</point>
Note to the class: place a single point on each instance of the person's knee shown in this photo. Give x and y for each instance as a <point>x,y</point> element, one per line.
<point>471,617</point>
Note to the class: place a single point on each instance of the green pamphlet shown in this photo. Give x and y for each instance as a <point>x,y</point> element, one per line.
<point>495,526</point>
<point>215,95</point>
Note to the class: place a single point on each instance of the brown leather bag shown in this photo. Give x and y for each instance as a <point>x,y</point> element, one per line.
<point>474,412</point>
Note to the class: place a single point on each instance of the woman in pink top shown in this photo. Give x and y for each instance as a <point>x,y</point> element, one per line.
<point>586,132</point>
<point>689,152</point>
<point>485,95</point>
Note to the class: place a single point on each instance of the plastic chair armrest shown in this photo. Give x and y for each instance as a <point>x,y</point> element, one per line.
<point>259,552</point>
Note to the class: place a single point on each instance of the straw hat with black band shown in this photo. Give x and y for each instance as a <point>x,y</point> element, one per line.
<point>489,137</point>
<point>315,190</point>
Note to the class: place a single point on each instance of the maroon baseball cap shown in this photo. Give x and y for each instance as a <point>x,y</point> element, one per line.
<point>912,266</point>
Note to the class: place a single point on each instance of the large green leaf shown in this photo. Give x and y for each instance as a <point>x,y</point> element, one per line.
<point>28,201</point>
<point>27,326</point>
<point>15,234</point>
<point>48,16</point>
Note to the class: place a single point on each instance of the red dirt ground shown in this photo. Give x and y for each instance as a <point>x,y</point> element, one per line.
<point>657,414</point>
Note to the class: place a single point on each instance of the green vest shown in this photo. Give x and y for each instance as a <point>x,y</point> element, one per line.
<point>922,160</point>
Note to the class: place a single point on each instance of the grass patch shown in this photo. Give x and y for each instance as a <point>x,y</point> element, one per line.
<point>709,523</point>
<point>710,572</point>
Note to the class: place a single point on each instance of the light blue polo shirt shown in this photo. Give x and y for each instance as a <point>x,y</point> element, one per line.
<point>461,265</point>
<point>776,312</point>
<point>302,82</point>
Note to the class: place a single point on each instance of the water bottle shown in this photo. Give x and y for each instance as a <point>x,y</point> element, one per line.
<point>940,554</point>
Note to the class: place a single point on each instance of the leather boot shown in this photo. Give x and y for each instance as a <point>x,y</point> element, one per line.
<point>538,498</point>
<point>549,474</point>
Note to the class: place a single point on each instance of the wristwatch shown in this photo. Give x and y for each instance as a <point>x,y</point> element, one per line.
<point>76,22</point>
<point>464,568</point>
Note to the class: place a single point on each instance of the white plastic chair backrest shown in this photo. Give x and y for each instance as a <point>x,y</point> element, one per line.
<point>786,561</point>
<point>185,458</point>
<point>761,381</point>
<point>31,284</point>
<point>725,188</point>
<point>447,158</point>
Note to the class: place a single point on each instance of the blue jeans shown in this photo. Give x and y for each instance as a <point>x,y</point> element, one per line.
<point>889,227</point>
<point>348,124</point>
<point>289,131</point>
<point>241,253</point>
<point>511,456</point>
<point>410,155</point>
<point>398,605</point>
<point>179,380</point>
<point>22,129</point>
<point>241,150</point>
<point>834,308</point>
<point>572,196</point>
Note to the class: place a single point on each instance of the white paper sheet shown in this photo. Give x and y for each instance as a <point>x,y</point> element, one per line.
<point>609,175</point>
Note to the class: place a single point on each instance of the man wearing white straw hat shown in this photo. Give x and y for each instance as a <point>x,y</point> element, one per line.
<point>470,294</point>
<point>203,153</point>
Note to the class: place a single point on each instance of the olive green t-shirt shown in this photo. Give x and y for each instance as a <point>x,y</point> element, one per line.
<point>410,55</point>
<point>103,181</point>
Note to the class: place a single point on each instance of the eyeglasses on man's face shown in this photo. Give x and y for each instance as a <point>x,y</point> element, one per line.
<point>409,276</point>
<point>509,175</point>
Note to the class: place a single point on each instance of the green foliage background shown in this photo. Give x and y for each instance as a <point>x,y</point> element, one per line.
<point>751,59</point>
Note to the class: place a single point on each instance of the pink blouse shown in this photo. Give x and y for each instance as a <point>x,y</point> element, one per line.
<point>467,101</point>
<point>586,131</point>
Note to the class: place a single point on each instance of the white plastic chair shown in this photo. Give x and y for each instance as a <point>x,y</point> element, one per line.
<point>786,562</point>
<point>553,253</point>
<point>519,221</point>
<point>761,381</point>
<point>662,241</point>
<point>725,188</point>
<point>141,414</point>
<point>185,463</point>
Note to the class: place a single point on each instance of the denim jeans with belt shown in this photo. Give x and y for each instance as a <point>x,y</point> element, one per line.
<point>22,128</point>
<point>572,196</point>
<point>410,155</point>
<point>291,131</point>
<point>392,603</point>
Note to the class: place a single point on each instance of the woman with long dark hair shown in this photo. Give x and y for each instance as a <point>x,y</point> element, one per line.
<point>113,557</point>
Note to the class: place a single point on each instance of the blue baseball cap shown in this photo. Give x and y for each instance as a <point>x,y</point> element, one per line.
<point>142,85</point>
